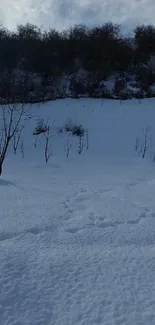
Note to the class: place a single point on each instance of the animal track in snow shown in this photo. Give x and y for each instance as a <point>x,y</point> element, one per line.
<point>100,209</point>
<point>73,230</point>
<point>11,235</point>
<point>8,235</point>
<point>34,230</point>
<point>106,225</point>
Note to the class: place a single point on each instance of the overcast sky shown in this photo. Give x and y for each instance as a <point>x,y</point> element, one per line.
<point>61,14</point>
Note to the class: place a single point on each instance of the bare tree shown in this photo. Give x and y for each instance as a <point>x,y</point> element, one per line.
<point>48,144</point>
<point>12,117</point>
<point>146,141</point>
<point>68,148</point>
<point>17,137</point>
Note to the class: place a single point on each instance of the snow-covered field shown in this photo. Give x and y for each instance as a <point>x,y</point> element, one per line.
<point>77,235</point>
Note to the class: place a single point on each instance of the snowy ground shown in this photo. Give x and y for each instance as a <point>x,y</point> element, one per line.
<point>77,235</point>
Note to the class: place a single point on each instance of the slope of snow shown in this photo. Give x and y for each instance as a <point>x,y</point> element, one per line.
<point>77,235</point>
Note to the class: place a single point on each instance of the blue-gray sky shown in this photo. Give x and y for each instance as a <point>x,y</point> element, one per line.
<point>61,14</point>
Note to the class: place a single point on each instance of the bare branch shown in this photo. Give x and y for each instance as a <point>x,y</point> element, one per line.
<point>13,120</point>
<point>17,137</point>
<point>81,145</point>
<point>87,140</point>
<point>137,144</point>
<point>45,130</point>
<point>68,148</point>
<point>146,140</point>
<point>142,145</point>
<point>48,144</point>
<point>22,149</point>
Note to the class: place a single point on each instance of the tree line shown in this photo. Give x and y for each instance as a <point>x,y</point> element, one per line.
<point>100,51</point>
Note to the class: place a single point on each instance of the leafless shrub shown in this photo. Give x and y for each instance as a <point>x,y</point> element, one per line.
<point>45,131</point>
<point>48,144</point>
<point>74,129</point>
<point>137,144</point>
<point>41,127</point>
<point>87,140</point>
<point>68,147</point>
<point>81,145</point>
<point>145,141</point>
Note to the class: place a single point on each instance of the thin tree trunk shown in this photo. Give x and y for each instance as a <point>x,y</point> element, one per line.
<point>2,158</point>
<point>0,169</point>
